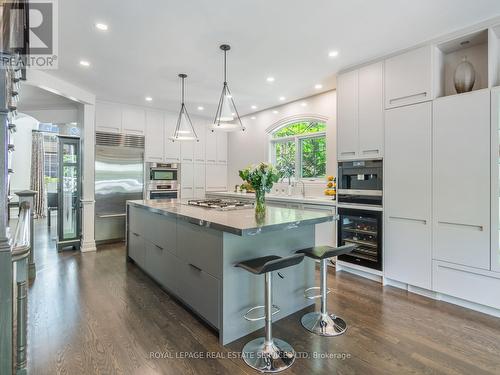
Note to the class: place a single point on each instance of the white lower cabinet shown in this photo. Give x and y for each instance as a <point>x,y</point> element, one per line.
<point>199,180</point>
<point>325,233</point>
<point>187,181</point>
<point>466,283</point>
<point>461,168</point>
<point>407,188</point>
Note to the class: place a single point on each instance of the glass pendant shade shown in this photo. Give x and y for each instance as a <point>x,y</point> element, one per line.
<point>184,130</point>
<point>227,118</point>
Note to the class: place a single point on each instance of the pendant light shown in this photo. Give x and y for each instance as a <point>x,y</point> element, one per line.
<point>184,131</point>
<point>227,118</point>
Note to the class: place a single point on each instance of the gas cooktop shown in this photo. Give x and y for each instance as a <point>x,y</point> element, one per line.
<point>220,204</point>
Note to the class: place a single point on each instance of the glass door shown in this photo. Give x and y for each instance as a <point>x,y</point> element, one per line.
<point>69,192</point>
<point>364,229</point>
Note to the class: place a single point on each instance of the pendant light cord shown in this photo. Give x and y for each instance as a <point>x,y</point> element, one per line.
<point>182,90</point>
<point>225,69</point>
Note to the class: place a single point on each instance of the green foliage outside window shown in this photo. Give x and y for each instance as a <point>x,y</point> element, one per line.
<point>312,155</point>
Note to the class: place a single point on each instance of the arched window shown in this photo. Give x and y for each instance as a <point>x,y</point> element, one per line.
<point>299,149</point>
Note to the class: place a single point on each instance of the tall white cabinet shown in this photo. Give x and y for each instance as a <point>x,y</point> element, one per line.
<point>407,190</point>
<point>461,169</point>
<point>360,106</point>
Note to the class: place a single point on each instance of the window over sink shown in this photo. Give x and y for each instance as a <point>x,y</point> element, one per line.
<point>299,149</point>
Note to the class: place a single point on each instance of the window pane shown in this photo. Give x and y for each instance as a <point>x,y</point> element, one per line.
<point>313,158</point>
<point>300,128</point>
<point>284,153</point>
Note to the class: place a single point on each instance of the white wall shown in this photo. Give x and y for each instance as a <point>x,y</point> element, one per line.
<point>55,116</point>
<point>252,145</point>
<point>21,160</point>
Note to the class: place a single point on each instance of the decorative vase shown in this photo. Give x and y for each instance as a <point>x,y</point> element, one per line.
<point>260,203</point>
<point>465,76</point>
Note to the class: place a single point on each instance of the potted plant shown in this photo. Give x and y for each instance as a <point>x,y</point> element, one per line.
<point>261,177</point>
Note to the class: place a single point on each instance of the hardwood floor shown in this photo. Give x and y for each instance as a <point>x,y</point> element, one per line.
<point>96,314</point>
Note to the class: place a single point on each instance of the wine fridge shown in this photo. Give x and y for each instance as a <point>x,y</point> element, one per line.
<point>362,228</point>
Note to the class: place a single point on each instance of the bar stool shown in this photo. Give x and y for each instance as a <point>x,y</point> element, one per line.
<point>268,354</point>
<point>321,322</point>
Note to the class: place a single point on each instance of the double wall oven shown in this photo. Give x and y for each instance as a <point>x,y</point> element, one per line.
<point>162,181</point>
<point>360,211</point>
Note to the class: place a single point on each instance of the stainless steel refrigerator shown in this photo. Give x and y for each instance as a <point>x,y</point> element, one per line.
<point>119,176</point>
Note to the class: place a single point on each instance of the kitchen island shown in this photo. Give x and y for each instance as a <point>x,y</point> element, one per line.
<point>191,252</point>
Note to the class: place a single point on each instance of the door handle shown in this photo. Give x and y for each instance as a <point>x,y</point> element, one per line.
<point>471,226</point>
<point>159,247</point>
<point>111,215</point>
<point>401,218</point>
<point>194,267</point>
<point>407,97</point>
<point>135,234</point>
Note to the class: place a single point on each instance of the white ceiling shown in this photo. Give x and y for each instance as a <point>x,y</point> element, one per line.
<point>149,42</point>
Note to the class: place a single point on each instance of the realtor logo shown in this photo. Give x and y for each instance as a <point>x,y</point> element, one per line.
<point>36,42</point>
<point>41,25</point>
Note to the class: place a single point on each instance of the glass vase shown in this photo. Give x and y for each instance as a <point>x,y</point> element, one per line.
<point>260,203</point>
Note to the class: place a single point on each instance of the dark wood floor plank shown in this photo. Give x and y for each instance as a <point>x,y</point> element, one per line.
<point>96,314</point>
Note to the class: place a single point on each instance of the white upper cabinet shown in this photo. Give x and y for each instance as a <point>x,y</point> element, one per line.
<point>360,125</point>
<point>199,147</point>
<point>461,170</point>
<point>347,115</point>
<point>408,78</point>
<point>371,111</point>
<point>108,117</point>
<point>216,177</point>
<point>221,147</point>
<point>407,191</point>
<point>133,120</point>
<point>211,147</point>
<point>172,149</point>
<point>199,180</point>
<point>154,136</point>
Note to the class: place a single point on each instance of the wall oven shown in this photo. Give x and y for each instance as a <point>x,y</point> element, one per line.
<point>362,228</point>
<point>163,172</point>
<point>162,181</point>
<point>360,182</point>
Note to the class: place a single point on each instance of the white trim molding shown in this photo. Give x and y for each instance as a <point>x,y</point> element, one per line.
<point>299,117</point>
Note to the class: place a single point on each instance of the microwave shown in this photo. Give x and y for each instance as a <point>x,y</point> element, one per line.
<point>164,172</point>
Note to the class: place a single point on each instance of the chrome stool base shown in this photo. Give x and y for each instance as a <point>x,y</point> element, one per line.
<point>275,357</point>
<point>324,324</point>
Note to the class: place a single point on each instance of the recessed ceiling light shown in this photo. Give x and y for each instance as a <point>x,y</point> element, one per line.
<point>282,98</point>
<point>148,99</point>
<point>333,53</point>
<point>270,79</point>
<point>275,112</point>
<point>254,107</point>
<point>101,26</point>
<point>318,86</point>
<point>84,63</point>
<point>253,118</point>
<point>201,108</point>
<point>303,104</point>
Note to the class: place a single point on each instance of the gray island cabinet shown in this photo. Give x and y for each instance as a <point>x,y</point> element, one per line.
<point>191,252</point>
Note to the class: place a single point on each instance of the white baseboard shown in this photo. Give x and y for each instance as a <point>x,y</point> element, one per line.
<point>88,246</point>
<point>360,271</point>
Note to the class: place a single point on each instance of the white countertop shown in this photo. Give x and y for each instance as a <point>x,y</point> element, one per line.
<point>319,200</point>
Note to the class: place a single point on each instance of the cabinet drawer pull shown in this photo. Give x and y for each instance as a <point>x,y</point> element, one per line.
<point>348,153</point>
<point>424,94</point>
<point>408,219</point>
<point>135,234</point>
<point>478,227</point>
<point>196,268</point>
<point>159,247</point>
<point>376,151</point>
